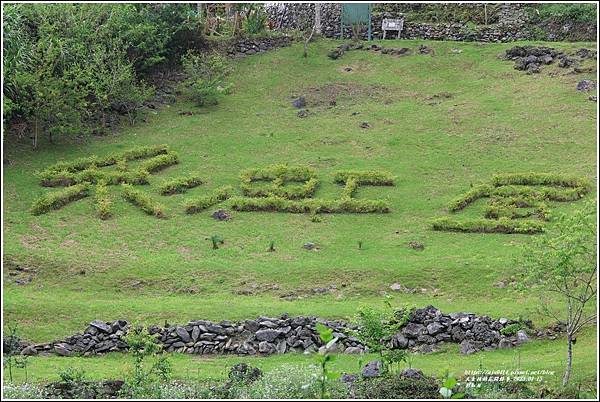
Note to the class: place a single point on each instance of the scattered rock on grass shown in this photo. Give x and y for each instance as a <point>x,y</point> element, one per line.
<point>303,113</point>
<point>415,245</point>
<point>299,102</point>
<point>586,85</point>
<point>372,369</point>
<point>364,124</point>
<point>309,246</point>
<point>221,215</point>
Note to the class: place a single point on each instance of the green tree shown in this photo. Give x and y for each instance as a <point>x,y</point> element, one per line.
<point>563,263</point>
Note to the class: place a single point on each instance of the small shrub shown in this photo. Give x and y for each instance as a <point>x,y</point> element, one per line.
<point>22,391</point>
<point>199,204</point>
<point>103,201</point>
<point>497,211</point>
<point>141,200</point>
<point>59,199</point>
<point>350,188</point>
<point>502,225</point>
<point>180,185</point>
<point>512,329</point>
<point>393,386</point>
<point>216,240</point>
<point>271,246</point>
<point>206,73</point>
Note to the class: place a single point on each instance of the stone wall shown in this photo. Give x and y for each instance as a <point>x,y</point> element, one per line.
<point>426,329</point>
<point>248,46</point>
<point>512,24</point>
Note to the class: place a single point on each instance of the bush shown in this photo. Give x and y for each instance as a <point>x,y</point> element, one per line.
<point>286,382</point>
<point>256,19</point>
<point>392,386</point>
<point>501,225</point>
<point>22,391</point>
<point>564,12</point>
<point>206,72</point>
<point>143,201</point>
<point>67,66</point>
<point>180,185</point>
<point>159,162</point>
<point>368,177</point>
<point>278,204</point>
<point>469,197</point>
<point>279,175</point>
<point>103,201</point>
<point>539,179</point>
<point>59,199</point>
<point>201,203</point>
<point>512,212</point>
<point>67,173</point>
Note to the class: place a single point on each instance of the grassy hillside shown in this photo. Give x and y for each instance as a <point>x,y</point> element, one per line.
<point>439,123</point>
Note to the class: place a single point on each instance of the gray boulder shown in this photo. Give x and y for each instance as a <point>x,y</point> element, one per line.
<point>268,335</point>
<point>372,369</point>
<point>183,334</point>
<point>101,325</point>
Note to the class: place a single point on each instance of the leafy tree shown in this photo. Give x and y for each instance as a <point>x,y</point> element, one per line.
<point>206,77</point>
<point>563,263</point>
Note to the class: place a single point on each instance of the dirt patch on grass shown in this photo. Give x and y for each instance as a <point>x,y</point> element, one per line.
<point>351,93</point>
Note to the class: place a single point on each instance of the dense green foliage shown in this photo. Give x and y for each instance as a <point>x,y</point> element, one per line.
<point>68,66</point>
<point>206,73</point>
<point>565,12</point>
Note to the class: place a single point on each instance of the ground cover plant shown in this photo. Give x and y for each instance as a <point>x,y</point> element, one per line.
<point>147,270</point>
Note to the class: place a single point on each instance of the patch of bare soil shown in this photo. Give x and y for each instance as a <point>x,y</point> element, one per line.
<point>334,94</point>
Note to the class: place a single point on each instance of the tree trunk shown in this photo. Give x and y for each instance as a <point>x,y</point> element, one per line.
<point>318,18</point>
<point>567,374</point>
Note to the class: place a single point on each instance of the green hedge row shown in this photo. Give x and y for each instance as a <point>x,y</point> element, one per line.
<point>159,162</point>
<point>201,203</point>
<point>180,185</point>
<point>541,193</point>
<point>539,179</point>
<point>366,177</point>
<point>350,188</point>
<point>496,212</point>
<point>501,225</point>
<point>67,173</point>
<point>58,199</point>
<point>279,175</point>
<point>279,204</point>
<point>141,200</point>
<point>80,164</point>
<point>103,201</point>
<point>477,192</point>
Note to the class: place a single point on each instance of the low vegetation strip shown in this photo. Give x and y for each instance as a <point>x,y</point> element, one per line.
<point>501,225</point>
<point>180,185</point>
<point>59,199</point>
<point>143,201</point>
<point>316,206</point>
<point>279,175</point>
<point>199,204</point>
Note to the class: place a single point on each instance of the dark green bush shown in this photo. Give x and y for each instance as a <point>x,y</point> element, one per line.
<point>539,179</point>
<point>143,201</point>
<point>159,162</point>
<point>180,185</point>
<point>199,204</point>
<point>67,66</point>
<point>565,12</point>
<point>59,199</point>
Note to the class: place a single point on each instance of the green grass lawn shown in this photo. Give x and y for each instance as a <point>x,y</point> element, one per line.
<point>487,118</point>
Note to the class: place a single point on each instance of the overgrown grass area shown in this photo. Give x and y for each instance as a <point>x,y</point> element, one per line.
<point>492,120</point>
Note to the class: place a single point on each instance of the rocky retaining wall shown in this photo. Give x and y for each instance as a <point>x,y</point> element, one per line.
<point>425,331</point>
<point>290,16</point>
<point>241,47</point>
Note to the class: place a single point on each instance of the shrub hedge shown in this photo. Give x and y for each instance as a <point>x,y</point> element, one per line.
<point>201,203</point>
<point>180,185</point>
<point>539,179</point>
<point>103,201</point>
<point>501,225</point>
<point>141,200</point>
<point>67,173</point>
<point>366,177</point>
<point>279,175</point>
<point>477,192</point>
<point>58,199</point>
<point>279,204</point>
